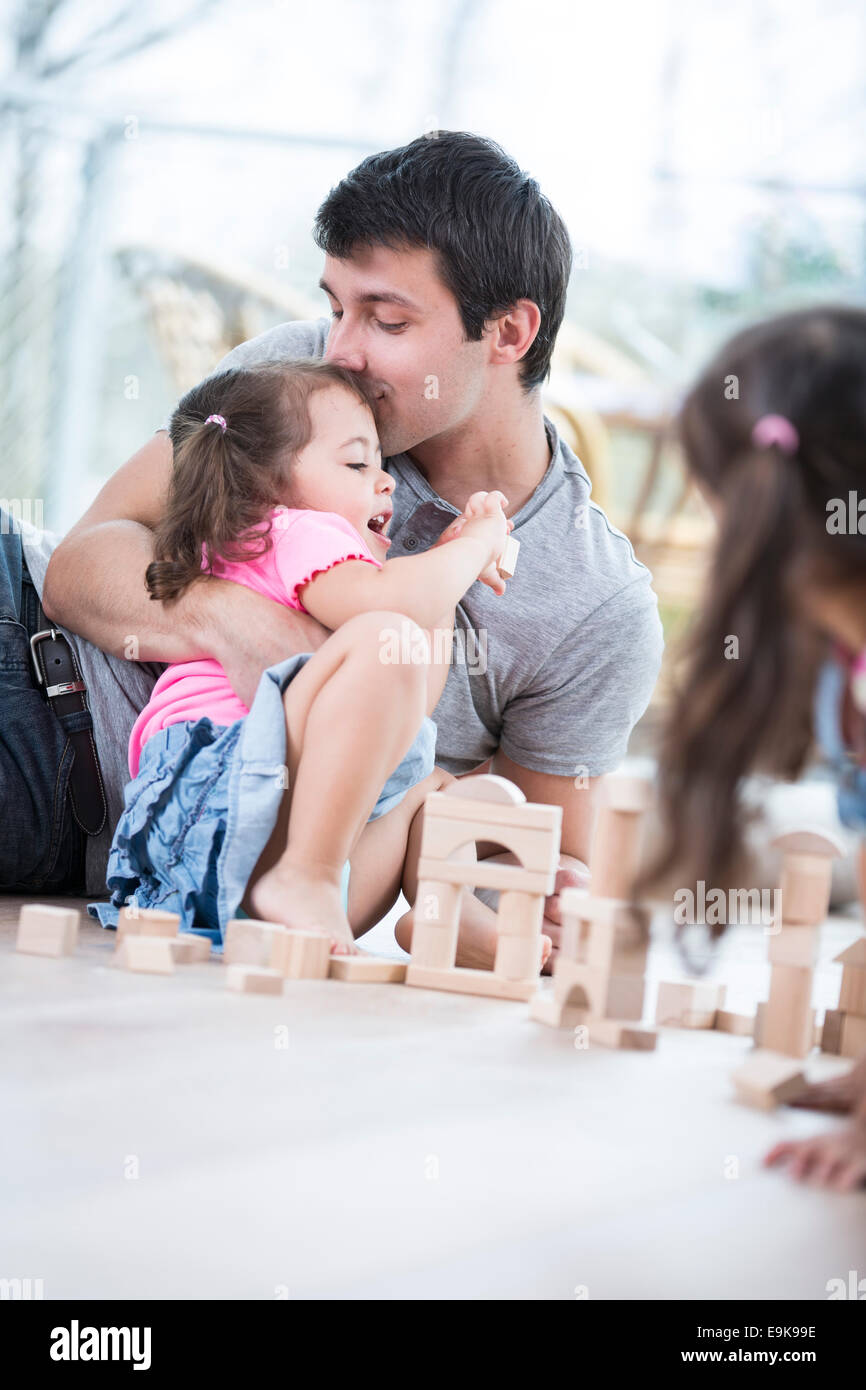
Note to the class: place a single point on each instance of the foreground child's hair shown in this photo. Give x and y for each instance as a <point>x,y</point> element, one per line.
<point>750,709</point>
<point>230,473</point>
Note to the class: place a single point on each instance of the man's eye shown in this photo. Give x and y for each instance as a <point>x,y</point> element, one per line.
<point>336,313</point>
<point>391,327</point>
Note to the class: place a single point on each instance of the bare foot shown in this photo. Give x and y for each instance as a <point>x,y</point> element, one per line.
<point>476,938</point>
<point>835,1160</point>
<point>306,902</point>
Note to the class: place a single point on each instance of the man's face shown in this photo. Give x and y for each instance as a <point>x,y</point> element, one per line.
<point>399,328</point>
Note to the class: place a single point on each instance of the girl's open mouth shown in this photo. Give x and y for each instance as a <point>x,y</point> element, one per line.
<point>376,524</point>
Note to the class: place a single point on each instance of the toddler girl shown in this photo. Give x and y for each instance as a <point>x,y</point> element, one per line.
<point>277,483</point>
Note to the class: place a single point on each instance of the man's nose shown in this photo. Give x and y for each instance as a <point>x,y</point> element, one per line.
<point>344,347</point>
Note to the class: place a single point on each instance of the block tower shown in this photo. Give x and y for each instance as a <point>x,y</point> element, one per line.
<point>486,808</point>
<point>599,974</point>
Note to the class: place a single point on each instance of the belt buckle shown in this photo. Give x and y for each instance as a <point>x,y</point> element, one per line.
<point>40,637</point>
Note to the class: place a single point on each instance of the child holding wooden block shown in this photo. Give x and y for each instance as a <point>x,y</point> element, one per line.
<point>277,484</point>
<point>774,434</point>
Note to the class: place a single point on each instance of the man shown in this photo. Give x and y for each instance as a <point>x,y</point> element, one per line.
<point>446,272</point>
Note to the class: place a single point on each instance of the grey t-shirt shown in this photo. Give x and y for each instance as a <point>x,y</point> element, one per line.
<point>556,672</point>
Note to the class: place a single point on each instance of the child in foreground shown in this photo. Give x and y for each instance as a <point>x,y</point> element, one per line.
<point>306,808</point>
<point>779,462</point>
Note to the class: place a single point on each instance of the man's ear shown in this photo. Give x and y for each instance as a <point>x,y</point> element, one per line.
<point>513,333</point>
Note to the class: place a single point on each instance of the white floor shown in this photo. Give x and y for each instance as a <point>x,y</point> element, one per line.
<point>379,1141</point>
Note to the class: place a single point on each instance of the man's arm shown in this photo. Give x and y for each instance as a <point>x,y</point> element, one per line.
<point>575,795</point>
<point>94,586</point>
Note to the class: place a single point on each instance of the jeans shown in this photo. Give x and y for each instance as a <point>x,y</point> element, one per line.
<point>41,846</point>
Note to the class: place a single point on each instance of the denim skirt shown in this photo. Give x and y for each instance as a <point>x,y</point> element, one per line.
<point>204,803</point>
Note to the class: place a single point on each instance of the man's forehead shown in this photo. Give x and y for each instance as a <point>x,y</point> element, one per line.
<point>406,278</point>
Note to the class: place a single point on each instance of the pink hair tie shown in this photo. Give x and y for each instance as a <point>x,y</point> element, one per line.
<point>775,429</point>
<point>216,420</point>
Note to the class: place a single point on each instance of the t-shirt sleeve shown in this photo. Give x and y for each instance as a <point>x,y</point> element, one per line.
<point>299,338</point>
<point>312,543</point>
<point>577,712</point>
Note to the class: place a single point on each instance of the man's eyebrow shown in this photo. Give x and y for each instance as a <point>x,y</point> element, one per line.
<point>359,439</point>
<point>377,297</point>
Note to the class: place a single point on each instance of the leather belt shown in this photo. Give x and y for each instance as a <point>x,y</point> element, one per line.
<point>58,674</point>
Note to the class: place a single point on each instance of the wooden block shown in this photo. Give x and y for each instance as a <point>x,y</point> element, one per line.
<point>250,942</point>
<point>301,955</point>
<point>371,970</point>
<point>852,995</point>
<point>614,854</point>
<point>507,562</point>
<point>624,997</point>
<point>47,931</point>
<point>687,1004</point>
<point>487,786</point>
<point>758,1034</point>
<point>794,945</point>
<point>189,948</point>
<point>622,793</point>
<point>470,982</point>
<point>853,1041</point>
<point>486,875</point>
<point>611,1032</point>
<point>855,954</point>
<point>146,954</point>
<point>435,921</point>
<point>805,889</point>
<point>743,1025</point>
<point>822,843</point>
<point>831,1032</point>
<point>543,1008</point>
<point>532,815</point>
<point>787,1023</point>
<point>520,914</point>
<point>767,1079</point>
<point>146,921</point>
<point>518,958</point>
<point>254,979</point>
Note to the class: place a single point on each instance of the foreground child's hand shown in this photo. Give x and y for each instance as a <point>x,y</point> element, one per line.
<point>836,1160</point>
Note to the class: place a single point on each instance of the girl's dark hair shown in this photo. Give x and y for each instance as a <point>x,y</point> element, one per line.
<point>224,484</point>
<point>752,711</point>
<point>495,235</point>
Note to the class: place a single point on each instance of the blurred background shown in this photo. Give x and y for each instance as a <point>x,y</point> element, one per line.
<point>162,164</point>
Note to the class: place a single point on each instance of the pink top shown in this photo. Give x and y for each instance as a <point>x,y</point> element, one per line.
<point>304,543</point>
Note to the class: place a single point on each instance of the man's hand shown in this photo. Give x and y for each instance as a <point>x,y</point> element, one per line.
<point>246,632</point>
<point>570,874</point>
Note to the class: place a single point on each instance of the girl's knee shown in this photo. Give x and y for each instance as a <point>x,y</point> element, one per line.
<point>390,641</point>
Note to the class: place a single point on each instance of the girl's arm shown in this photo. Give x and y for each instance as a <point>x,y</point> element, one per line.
<point>421,586</point>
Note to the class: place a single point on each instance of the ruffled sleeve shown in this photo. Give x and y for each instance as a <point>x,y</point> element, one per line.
<point>306,543</point>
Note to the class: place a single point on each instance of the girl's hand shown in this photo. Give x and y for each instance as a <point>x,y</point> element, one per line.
<point>454,529</point>
<point>485,517</point>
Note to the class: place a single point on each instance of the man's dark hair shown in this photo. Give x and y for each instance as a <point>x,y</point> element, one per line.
<point>496,237</point>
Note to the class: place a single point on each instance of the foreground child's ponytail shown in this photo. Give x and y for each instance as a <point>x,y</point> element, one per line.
<point>234,438</point>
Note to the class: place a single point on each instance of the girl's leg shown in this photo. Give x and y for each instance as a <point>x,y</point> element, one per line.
<point>378,858</point>
<point>350,719</point>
